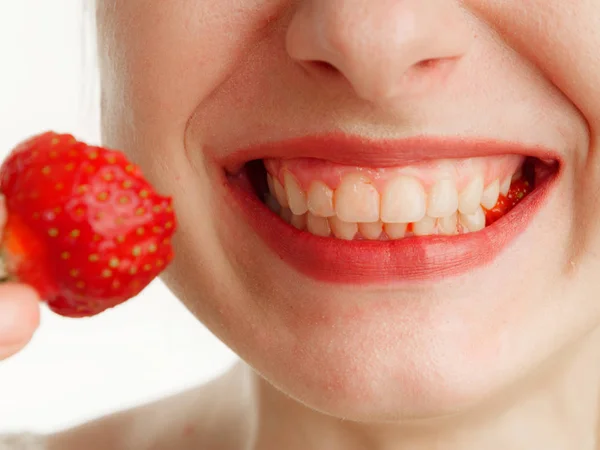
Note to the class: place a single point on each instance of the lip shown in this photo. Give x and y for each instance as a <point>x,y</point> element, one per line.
<point>405,260</point>
<point>361,151</point>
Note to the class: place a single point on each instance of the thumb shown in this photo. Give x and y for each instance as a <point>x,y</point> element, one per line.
<point>19,318</point>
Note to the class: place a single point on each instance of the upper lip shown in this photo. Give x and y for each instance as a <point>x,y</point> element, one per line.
<point>361,151</point>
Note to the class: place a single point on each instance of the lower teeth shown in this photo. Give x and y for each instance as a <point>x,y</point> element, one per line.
<point>320,226</point>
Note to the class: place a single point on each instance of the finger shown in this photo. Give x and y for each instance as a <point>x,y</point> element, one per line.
<point>19,318</point>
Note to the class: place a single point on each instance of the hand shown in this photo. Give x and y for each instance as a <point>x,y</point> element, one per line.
<point>19,317</point>
<point>19,308</point>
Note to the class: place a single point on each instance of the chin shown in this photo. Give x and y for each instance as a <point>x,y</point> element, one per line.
<point>388,363</point>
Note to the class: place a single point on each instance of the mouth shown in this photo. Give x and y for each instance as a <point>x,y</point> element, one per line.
<point>340,209</point>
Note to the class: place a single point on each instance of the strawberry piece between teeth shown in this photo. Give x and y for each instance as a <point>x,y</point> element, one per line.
<point>518,191</point>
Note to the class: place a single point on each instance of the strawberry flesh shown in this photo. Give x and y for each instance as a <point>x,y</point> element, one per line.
<point>84,227</point>
<point>519,189</point>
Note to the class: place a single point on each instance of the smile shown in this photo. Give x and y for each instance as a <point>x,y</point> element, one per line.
<point>340,209</point>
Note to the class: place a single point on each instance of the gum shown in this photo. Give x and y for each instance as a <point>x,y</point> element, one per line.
<point>462,171</point>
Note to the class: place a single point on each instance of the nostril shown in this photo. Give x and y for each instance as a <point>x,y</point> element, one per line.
<point>322,67</point>
<point>428,63</point>
<point>440,66</point>
<point>325,66</point>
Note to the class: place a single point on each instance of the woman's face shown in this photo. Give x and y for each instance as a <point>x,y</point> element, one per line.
<point>399,327</point>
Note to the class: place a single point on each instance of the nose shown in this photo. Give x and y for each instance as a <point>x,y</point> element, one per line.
<point>385,49</point>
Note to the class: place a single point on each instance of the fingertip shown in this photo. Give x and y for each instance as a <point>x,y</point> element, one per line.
<point>19,317</point>
<point>18,290</point>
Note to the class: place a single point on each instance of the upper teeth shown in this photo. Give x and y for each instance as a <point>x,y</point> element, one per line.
<point>491,194</point>
<point>357,206</point>
<point>296,198</point>
<point>443,199</point>
<point>356,200</point>
<point>470,197</point>
<point>404,201</point>
<point>320,200</point>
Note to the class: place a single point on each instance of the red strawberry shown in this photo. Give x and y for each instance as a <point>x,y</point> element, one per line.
<point>518,190</point>
<point>84,227</point>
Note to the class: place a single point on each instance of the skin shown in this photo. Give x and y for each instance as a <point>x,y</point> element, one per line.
<point>19,310</point>
<point>502,357</point>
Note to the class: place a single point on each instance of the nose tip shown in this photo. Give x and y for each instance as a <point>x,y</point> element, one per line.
<point>384,48</point>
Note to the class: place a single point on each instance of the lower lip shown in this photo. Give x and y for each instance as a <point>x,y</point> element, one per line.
<point>370,262</point>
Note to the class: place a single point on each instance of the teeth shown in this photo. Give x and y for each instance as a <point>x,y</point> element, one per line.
<point>395,230</point>
<point>518,174</point>
<point>317,225</point>
<point>443,199</point>
<point>505,186</point>
<point>356,200</point>
<point>320,200</point>
<point>295,195</point>
<point>272,203</point>
<point>473,222</point>
<point>371,230</point>
<point>270,184</point>
<point>403,201</point>
<point>343,230</point>
<point>357,207</point>
<point>298,221</point>
<point>425,226</point>
<point>490,195</point>
<point>447,225</point>
<point>470,197</point>
<point>279,192</point>
<point>286,214</point>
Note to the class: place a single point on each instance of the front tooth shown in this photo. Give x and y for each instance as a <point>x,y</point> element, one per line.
<point>343,230</point>
<point>403,201</point>
<point>447,225</point>
<point>490,195</point>
<point>298,221</point>
<point>424,227</point>
<point>356,200</point>
<point>317,225</point>
<point>473,222</point>
<point>286,214</point>
<point>443,199</point>
<point>320,200</point>
<point>295,195</point>
<point>272,203</point>
<point>505,186</point>
<point>395,230</point>
<point>371,230</point>
<point>280,194</point>
<point>470,198</point>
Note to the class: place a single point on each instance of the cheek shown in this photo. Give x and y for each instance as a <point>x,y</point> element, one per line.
<point>586,213</point>
<point>161,60</point>
<point>559,38</point>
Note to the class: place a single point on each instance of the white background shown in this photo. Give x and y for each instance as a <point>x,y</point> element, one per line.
<point>75,370</point>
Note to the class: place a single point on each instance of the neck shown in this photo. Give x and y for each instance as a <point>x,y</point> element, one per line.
<point>557,408</point>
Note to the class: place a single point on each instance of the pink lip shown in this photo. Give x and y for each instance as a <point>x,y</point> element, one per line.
<point>409,259</point>
<point>359,151</point>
